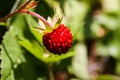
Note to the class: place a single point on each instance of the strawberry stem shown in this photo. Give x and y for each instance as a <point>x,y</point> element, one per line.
<point>37,16</point>
<point>50,68</point>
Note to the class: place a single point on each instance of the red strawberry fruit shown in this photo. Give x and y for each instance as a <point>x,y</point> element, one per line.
<point>59,40</point>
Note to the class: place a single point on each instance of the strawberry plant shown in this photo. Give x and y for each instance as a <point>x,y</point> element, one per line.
<point>59,39</point>
<point>59,35</point>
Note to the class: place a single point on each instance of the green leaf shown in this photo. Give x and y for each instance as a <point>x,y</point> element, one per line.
<point>34,48</point>
<point>11,56</point>
<point>108,77</point>
<point>38,35</point>
<point>79,62</point>
<point>118,67</point>
<point>54,57</point>
<point>113,8</point>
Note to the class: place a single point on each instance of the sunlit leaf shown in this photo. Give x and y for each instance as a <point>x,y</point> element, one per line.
<point>108,77</point>
<point>79,62</point>
<point>11,56</point>
<point>34,48</point>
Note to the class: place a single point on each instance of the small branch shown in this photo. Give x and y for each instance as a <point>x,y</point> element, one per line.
<point>7,16</point>
<point>16,11</point>
<point>37,16</point>
<point>24,9</point>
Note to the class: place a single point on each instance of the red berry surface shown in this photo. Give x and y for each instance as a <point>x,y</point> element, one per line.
<point>59,40</point>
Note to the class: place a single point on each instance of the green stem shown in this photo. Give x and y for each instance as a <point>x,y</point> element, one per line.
<point>51,75</point>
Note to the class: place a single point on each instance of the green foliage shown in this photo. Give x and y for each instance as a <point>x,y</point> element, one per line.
<point>79,62</point>
<point>95,28</point>
<point>107,77</point>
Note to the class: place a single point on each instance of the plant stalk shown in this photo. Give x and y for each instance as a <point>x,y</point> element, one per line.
<point>37,16</point>
<point>50,68</point>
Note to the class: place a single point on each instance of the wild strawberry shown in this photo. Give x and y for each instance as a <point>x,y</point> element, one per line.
<point>59,40</point>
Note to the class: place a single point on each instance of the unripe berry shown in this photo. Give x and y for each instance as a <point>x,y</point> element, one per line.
<point>59,40</point>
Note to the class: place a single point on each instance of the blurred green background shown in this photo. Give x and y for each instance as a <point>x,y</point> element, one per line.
<point>95,53</point>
